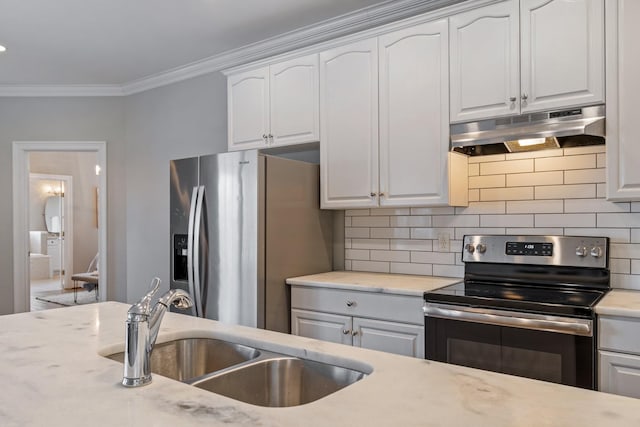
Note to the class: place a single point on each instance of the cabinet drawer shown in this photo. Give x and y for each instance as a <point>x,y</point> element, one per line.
<point>619,334</point>
<point>399,308</point>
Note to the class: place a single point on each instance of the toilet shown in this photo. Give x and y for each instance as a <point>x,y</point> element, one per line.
<point>39,261</point>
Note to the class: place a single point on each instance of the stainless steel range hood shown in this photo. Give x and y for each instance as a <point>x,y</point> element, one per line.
<point>536,131</point>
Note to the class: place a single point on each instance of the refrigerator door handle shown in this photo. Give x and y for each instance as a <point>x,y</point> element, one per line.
<point>196,254</point>
<point>190,269</point>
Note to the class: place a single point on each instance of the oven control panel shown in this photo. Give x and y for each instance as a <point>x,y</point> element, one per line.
<point>576,251</point>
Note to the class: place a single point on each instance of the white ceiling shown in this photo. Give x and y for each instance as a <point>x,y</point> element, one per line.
<point>114,42</point>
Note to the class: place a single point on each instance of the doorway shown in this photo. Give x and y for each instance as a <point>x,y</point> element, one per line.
<point>71,202</point>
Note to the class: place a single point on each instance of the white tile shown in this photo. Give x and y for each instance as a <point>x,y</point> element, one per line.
<point>474,169</point>
<point>361,233</point>
<point>635,266</point>
<point>616,235</point>
<point>624,250</point>
<point>432,211</point>
<point>588,149</point>
<point>462,231</point>
<point>456,248</point>
<point>513,193</point>
<point>601,190</point>
<point>594,205</point>
<point>474,195</point>
<point>390,233</point>
<point>447,221</point>
<point>487,181</point>
<point>625,281</point>
<point>635,235</point>
<point>410,221</point>
<point>372,266</point>
<point>347,221</point>
<point>534,154</point>
<point>448,270</point>
<point>536,231</point>
<point>433,257</point>
<point>358,254</point>
<point>370,221</point>
<point>395,256</point>
<point>635,207</point>
<point>407,268</point>
<point>584,176</point>
<point>565,220</point>
<point>347,243</point>
<point>601,161</point>
<point>509,166</point>
<point>620,266</point>
<point>347,265</point>
<point>356,212</point>
<point>518,220</point>
<point>429,233</point>
<point>618,220</point>
<point>575,191</point>
<point>411,245</point>
<point>535,206</point>
<point>482,159</point>
<point>585,161</point>
<point>497,207</point>
<point>534,178</point>
<point>390,211</point>
<point>379,244</point>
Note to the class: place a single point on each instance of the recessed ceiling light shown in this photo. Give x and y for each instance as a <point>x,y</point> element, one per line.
<point>2,48</point>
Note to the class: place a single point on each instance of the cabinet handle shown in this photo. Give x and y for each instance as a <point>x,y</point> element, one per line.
<point>354,333</point>
<point>351,303</point>
<point>346,331</point>
<point>373,194</point>
<point>381,194</point>
<point>525,96</point>
<point>270,138</point>
<point>512,99</point>
<point>264,136</point>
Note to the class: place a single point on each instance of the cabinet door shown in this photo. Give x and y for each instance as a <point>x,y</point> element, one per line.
<point>623,92</point>
<point>414,125</point>
<point>294,101</point>
<point>485,75</point>
<point>321,326</point>
<point>619,374</point>
<point>349,126</point>
<point>562,53</point>
<point>248,109</point>
<point>398,338</point>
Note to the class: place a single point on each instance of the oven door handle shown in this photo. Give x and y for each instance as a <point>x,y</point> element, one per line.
<point>562,325</point>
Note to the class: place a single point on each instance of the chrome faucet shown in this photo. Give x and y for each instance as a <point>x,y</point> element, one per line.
<point>143,324</point>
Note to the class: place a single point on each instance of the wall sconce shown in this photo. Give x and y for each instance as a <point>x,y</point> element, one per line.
<point>54,191</point>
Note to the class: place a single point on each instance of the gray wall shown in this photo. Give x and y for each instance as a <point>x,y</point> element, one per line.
<point>181,120</point>
<point>65,119</point>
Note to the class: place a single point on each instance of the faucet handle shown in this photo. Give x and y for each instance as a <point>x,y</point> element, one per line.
<point>143,307</point>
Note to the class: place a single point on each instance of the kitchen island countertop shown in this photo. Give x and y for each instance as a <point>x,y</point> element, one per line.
<point>400,284</point>
<point>54,374</point>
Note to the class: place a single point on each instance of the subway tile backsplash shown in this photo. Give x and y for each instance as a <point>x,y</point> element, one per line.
<point>545,192</point>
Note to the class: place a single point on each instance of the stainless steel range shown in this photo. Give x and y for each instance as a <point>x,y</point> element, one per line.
<point>525,307</point>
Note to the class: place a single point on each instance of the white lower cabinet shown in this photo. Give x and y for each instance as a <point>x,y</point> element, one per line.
<point>619,356</point>
<point>384,322</point>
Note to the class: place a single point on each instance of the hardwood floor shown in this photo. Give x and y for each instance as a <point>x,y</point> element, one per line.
<point>46,287</point>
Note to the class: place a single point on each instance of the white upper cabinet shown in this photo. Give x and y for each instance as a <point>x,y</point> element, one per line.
<point>562,53</point>
<point>414,124</point>
<point>349,125</point>
<point>522,56</point>
<point>485,70</point>
<point>274,105</point>
<point>623,92</point>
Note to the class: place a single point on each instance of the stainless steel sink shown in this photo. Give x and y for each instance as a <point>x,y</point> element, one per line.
<point>190,358</point>
<point>280,381</point>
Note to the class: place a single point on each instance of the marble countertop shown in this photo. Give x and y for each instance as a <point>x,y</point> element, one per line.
<point>401,284</point>
<point>620,302</point>
<point>54,375</point>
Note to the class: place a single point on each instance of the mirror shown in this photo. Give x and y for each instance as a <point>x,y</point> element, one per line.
<point>53,214</point>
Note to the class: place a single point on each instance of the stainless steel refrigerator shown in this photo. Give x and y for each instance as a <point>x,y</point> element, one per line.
<point>241,223</point>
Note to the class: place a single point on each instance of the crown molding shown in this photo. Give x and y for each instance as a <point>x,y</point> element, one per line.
<point>60,90</point>
<point>366,22</point>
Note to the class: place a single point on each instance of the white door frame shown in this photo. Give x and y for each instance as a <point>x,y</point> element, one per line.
<point>67,227</point>
<point>21,149</point>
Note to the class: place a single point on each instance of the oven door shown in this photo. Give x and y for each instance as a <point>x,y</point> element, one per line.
<point>548,348</point>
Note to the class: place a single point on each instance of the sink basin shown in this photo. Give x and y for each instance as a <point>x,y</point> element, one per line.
<point>280,381</point>
<point>190,358</point>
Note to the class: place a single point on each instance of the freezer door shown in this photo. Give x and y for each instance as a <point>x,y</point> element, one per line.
<point>235,259</point>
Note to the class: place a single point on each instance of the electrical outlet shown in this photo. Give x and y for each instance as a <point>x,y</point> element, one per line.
<point>443,242</point>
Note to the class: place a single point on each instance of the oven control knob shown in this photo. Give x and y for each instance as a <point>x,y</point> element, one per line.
<point>482,248</point>
<point>581,251</point>
<point>596,251</point>
<point>470,248</point>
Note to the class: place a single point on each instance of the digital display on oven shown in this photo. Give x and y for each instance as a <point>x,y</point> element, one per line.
<point>530,249</point>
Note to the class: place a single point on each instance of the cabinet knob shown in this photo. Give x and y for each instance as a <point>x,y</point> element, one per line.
<point>351,303</point>
<point>525,96</point>
<point>512,99</point>
<point>346,331</point>
<point>354,333</point>
<point>264,136</point>
<point>381,194</point>
<point>373,194</point>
